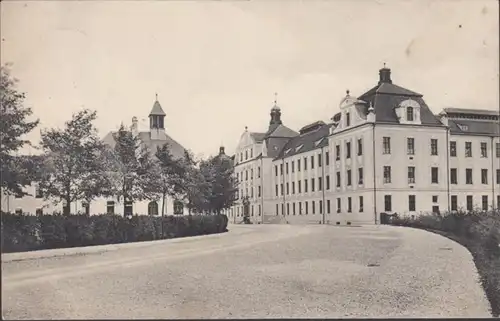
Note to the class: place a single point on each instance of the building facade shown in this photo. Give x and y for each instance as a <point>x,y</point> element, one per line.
<point>383,152</point>
<point>154,137</point>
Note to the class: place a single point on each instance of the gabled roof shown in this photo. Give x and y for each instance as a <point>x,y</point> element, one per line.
<point>309,140</point>
<point>157,110</point>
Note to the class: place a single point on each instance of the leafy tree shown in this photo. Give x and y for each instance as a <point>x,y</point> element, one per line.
<point>132,169</point>
<point>14,124</point>
<point>196,187</point>
<point>171,175</point>
<point>218,171</point>
<point>73,161</point>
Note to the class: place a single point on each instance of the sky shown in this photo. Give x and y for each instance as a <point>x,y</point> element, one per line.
<point>216,65</point>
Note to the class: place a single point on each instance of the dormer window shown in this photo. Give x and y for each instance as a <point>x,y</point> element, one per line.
<point>347,119</point>
<point>463,127</point>
<point>318,142</point>
<point>409,114</point>
<point>298,148</point>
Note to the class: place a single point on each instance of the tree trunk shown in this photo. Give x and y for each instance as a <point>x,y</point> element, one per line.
<point>67,208</point>
<point>163,204</point>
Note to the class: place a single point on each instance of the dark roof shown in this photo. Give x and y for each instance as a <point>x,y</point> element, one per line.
<point>258,137</point>
<point>477,127</point>
<point>464,111</point>
<point>307,141</point>
<point>386,96</point>
<point>311,127</point>
<point>157,110</point>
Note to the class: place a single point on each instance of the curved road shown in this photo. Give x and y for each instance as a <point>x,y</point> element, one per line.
<point>256,271</point>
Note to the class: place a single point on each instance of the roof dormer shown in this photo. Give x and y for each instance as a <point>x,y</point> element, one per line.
<point>408,112</point>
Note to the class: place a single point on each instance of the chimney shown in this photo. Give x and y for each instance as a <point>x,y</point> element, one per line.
<point>135,126</point>
<point>385,75</point>
<point>221,150</point>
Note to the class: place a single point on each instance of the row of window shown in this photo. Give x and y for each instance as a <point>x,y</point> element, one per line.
<point>296,208</point>
<point>239,193</point>
<point>435,175</point>
<point>246,155</point>
<point>240,210</point>
<point>240,178</point>
<point>412,201</point>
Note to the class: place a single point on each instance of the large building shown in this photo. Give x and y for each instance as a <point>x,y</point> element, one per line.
<point>383,152</point>
<point>154,137</point>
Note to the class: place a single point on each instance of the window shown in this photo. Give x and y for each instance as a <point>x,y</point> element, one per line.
<point>312,161</point>
<point>360,176</point>
<point>484,202</point>
<point>300,208</point>
<point>484,150</point>
<point>434,175</point>
<point>328,206</point>
<point>110,207</point>
<point>361,205</point>
<point>319,160</point>
<point>347,119</point>
<point>260,211</point>
<point>275,170</point>
<point>497,148</point>
<point>282,209</point>
<point>387,203</point>
<point>305,163</point>
<point>277,190</point>
<point>293,187</point>
<point>320,207</point>
<point>246,154</point>
<point>411,203</point>
<point>360,147</point>
<point>251,153</point>
<point>327,158</point>
<point>287,189</point>
<point>435,209</point>
<point>410,146</point>
<point>39,211</point>
<point>293,208</point>
<point>281,169</point>
<point>313,205</point>
<point>453,149</point>
<point>251,173</point>
<point>153,208</point>
<point>454,203</point>
<point>411,174</point>
<point>260,191</point>
<point>468,176</point>
<point>434,198</point>
<point>387,174</point>
<point>409,113</point>
<point>453,176</point>
<point>286,168</point>
<point>327,182</point>
<point>305,186</point>
<point>300,186</point>
<point>498,176</point>
<point>386,145</point>
<point>282,189</point>
<point>307,207</point>
<point>287,208</point>
<point>320,183</point>
<point>298,165</point>
<point>469,203</point>
<point>313,188</point>
<point>434,146</point>
<point>86,207</point>
<point>484,176</point>
<point>468,149</point>
<point>349,205</point>
<point>349,179</point>
<point>258,172</point>
<point>337,152</point>
<point>348,150</point>
<point>339,205</point>
<point>246,175</point>
<point>338,179</point>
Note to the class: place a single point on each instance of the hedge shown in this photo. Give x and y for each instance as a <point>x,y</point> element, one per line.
<point>24,232</point>
<point>479,232</point>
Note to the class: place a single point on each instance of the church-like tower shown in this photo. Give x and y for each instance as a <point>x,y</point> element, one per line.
<point>157,121</point>
<point>275,113</point>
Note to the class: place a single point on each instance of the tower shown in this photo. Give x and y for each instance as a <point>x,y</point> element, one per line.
<point>275,113</point>
<point>157,121</point>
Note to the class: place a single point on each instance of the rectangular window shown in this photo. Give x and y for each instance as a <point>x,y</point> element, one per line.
<point>349,179</point>
<point>453,176</point>
<point>484,176</point>
<point>327,182</point>
<point>347,119</point>
<point>349,205</point>
<point>313,187</point>
<point>497,148</point>
<point>387,174</point>
<point>286,168</point>
<point>246,175</point>
<point>282,189</point>
<point>275,170</point>
<point>293,187</point>
<point>307,207</point>
<point>110,207</point>
<point>300,208</point>
<point>360,176</point>
<point>484,150</point>
<point>411,174</point>
<point>348,150</point>
<point>454,203</point>
<point>387,203</point>
<point>277,193</point>
<point>468,176</point>
<point>260,190</point>
<point>409,113</point>
<point>258,172</point>
<point>300,186</point>
<point>327,158</point>
<point>498,177</point>
<point>410,146</point>
<point>313,205</point>
<point>434,175</point>
<point>287,189</point>
<point>360,147</point>
<point>434,146</point>
<point>469,203</point>
<point>386,145</point>
<point>293,167</point>
<point>281,169</point>
<point>337,152</point>
<point>282,209</point>
<point>339,205</point>
<point>312,161</point>
<point>338,179</point>
<point>320,183</point>
<point>320,160</point>
<point>328,206</point>
<point>411,203</point>
<point>305,163</point>
<point>298,165</point>
<point>293,208</point>
<point>453,149</point>
<point>305,186</point>
<point>260,210</point>
<point>320,207</point>
<point>287,208</point>
<point>468,149</point>
<point>485,202</point>
<point>361,205</point>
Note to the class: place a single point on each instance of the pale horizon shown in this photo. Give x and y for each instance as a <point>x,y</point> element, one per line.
<point>216,65</point>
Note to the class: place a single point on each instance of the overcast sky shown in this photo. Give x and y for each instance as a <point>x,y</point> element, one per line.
<point>216,64</point>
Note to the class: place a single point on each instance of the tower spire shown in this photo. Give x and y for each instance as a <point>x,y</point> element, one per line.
<point>156,95</point>
<point>275,99</point>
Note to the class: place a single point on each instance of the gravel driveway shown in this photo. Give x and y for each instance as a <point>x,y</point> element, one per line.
<point>258,271</point>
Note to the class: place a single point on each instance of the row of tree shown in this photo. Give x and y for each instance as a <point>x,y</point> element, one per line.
<point>76,165</point>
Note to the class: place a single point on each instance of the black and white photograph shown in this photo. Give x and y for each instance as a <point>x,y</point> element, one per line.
<point>249,159</point>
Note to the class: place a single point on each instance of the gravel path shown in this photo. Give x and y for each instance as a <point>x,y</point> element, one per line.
<point>260,271</point>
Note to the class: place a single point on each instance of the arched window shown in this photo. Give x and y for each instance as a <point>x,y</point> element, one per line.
<point>153,208</point>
